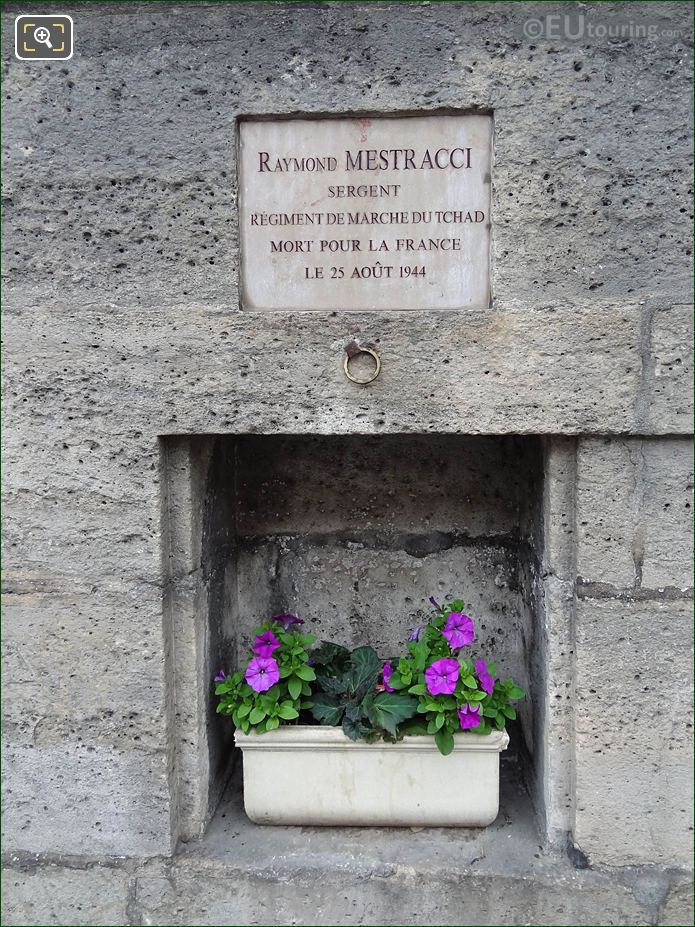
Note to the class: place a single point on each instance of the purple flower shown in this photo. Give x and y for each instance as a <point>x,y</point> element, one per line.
<point>486,681</point>
<point>416,633</point>
<point>435,603</point>
<point>387,673</point>
<point>221,676</point>
<point>266,644</point>
<point>262,673</point>
<point>469,716</point>
<point>458,630</point>
<point>442,676</point>
<point>287,621</point>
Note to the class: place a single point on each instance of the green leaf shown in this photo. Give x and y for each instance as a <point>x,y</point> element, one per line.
<point>413,726</point>
<point>509,711</point>
<point>365,660</point>
<point>476,696</point>
<point>363,670</point>
<point>355,729</point>
<point>418,689</point>
<point>326,709</point>
<point>333,685</point>
<point>355,711</point>
<point>272,723</point>
<point>305,672</point>
<point>515,692</point>
<point>257,715</point>
<point>287,712</point>
<point>294,686</point>
<point>489,712</point>
<point>469,682</point>
<point>388,709</point>
<point>445,742</point>
<point>328,652</point>
<point>243,709</point>
<point>420,652</point>
<point>439,722</point>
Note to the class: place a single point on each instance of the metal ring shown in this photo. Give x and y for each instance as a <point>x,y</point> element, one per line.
<point>364,350</point>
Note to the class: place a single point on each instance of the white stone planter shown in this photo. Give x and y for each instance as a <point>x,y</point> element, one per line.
<point>316,775</point>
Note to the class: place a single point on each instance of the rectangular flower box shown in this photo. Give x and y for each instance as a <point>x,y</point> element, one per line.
<point>315,775</point>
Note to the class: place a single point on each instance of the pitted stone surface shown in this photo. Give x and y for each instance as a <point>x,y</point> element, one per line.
<point>577,212</point>
<point>633,731</point>
<point>634,512</point>
<point>89,895</point>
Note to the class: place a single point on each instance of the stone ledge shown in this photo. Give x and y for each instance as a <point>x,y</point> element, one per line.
<point>588,590</point>
<point>485,372</point>
<point>240,873</point>
<point>183,891</point>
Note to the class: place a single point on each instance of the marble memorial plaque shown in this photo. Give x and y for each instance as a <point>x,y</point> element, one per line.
<point>365,213</point>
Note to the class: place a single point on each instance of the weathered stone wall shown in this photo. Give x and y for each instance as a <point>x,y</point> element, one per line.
<point>123,329</point>
<point>633,637</point>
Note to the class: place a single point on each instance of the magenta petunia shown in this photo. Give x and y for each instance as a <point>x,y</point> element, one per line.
<point>221,676</point>
<point>287,621</point>
<point>442,676</point>
<point>458,630</point>
<point>266,644</point>
<point>486,681</point>
<point>262,673</point>
<point>387,673</point>
<point>469,716</point>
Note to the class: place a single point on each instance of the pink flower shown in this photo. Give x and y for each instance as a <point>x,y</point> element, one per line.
<point>486,681</point>
<point>469,716</point>
<point>262,673</point>
<point>287,621</point>
<point>442,676</point>
<point>387,673</point>
<point>458,630</point>
<point>266,644</point>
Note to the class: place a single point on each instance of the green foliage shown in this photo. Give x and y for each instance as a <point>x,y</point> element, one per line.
<point>338,687</point>
<point>440,713</point>
<point>282,702</point>
<point>347,694</point>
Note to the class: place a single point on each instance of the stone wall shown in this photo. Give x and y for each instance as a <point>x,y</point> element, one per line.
<point>125,346</point>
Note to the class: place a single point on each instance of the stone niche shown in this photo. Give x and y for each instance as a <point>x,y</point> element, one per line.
<point>353,533</point>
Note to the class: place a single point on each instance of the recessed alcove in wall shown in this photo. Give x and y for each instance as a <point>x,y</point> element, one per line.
<point>353,533</point>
